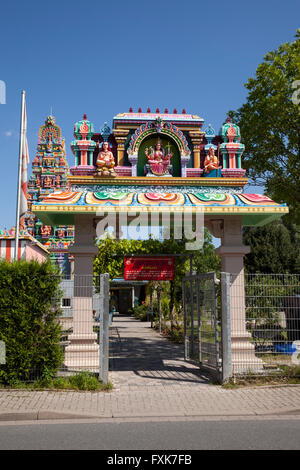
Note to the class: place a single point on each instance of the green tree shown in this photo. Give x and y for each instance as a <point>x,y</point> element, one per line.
<point>270,126</point>
<point>294,231</point>
<point>205,260</point>
<point>273,249</point>
<point>112,252</point>
<point>111,259</point>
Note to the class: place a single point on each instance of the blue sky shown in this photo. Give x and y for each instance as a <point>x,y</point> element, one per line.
<point>100,58</point>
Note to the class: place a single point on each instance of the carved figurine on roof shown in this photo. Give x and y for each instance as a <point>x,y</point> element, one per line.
<point>211,164</point>
<point>105,161</point>
<point>211,161</point>
<point>158,160</point>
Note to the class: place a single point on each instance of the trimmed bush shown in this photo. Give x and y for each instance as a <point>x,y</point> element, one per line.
<point>141,312</point>
<point>29,306</point>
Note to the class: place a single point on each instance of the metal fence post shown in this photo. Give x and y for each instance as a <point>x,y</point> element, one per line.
<point>199,321</point>
<point>104,328</point>
<point>216,282</point>
<point>226,327</point>
<point>184,319</point>
<point>192,317</point>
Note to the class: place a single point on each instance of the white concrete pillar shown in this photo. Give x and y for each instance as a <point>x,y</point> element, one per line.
<point>232,252</point>
<point>83,351</point>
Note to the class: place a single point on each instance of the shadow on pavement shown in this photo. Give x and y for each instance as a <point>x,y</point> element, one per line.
<point>137,348</point>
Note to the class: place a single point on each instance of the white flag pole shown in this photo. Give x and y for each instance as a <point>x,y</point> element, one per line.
<point>22,130</point>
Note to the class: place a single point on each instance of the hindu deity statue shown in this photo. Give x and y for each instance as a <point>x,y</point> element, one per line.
<point>158,160</point>
<point>47,182</point>
<point>49,142</point>
<point>105,161</point>
<point>60,233</point>
<point>46,231</point>
<point>211,161</point>
<point>57,181</point>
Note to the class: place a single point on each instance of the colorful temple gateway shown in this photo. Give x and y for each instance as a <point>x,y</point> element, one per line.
<point>147,160</point>
<point>162,164</point>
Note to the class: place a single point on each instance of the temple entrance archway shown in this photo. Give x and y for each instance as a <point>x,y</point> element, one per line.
<point>219,198</point>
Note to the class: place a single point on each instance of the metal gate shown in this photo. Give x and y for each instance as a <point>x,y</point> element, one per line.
<point>207,322</point>
<point>85,322</point>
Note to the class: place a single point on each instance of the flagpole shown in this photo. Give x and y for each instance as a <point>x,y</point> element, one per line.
<point>19,176</point>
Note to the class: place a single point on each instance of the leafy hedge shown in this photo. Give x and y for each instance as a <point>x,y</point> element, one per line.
<point>141,312</point>
<point>29,305</point>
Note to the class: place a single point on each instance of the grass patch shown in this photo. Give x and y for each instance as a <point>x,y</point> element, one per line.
<point>287,375</point>
<point>81,381</point>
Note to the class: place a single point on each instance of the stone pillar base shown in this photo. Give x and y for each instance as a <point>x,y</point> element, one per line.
<point>243,355</point>
<point>232,251</point>
<point>82,354</point>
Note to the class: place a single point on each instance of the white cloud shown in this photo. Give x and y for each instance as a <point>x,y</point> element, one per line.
<point>8,133</point>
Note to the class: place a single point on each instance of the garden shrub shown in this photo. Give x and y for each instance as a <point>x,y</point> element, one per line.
<point>29,306</point>
<point>141,312</point>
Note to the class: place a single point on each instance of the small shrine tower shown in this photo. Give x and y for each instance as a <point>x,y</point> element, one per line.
<point>49,174</point>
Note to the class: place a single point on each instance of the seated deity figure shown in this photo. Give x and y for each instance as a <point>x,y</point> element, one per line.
<point>105,161</point>
<point>47,182</point>
<point>46,231</point>
<point>158,160</point>
<point>60,233</point>
<point>211,161</point>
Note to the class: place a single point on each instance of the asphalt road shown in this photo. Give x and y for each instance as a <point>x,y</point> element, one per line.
<point>236,434</point>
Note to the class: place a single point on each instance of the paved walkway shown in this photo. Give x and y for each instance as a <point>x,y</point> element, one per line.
<point>143,358</point>
<point>153,382</point>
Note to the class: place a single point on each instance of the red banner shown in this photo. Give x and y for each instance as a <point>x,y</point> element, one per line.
<point>156,268</point>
